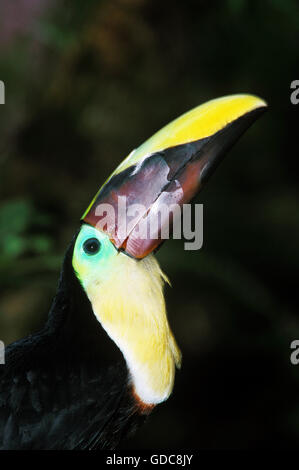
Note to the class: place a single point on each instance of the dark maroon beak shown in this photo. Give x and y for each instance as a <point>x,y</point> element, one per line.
<point>132,205</point>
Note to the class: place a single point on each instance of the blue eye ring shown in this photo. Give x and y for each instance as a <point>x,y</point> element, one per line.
<point>91,246</point>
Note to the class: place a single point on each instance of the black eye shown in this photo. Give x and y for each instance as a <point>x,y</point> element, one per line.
<point>91,246</point>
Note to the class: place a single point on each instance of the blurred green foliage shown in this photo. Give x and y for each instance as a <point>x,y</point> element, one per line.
<point>88,81</point>
<point>15,219</point>
<point>24,248</point>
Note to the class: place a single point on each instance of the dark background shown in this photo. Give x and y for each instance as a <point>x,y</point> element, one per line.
<point>86,82</point>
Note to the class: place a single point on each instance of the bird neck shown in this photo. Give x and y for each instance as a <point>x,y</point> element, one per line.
<point>77,335</point>
<point>129,304</point>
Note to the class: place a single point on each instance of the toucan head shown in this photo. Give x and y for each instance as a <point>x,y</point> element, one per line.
<point>113,253</point>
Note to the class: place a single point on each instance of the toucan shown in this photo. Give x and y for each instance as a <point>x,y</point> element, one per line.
<point>106,356</point>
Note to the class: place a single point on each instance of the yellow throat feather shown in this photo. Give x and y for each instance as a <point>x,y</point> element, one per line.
<point>127,299</point>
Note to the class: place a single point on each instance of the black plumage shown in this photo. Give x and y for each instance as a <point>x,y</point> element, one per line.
<point>67,386</point>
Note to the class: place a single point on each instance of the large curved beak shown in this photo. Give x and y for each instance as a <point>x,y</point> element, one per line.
<point>168,169</point>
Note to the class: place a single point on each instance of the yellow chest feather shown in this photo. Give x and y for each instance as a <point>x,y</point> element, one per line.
<point>129,303</point>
